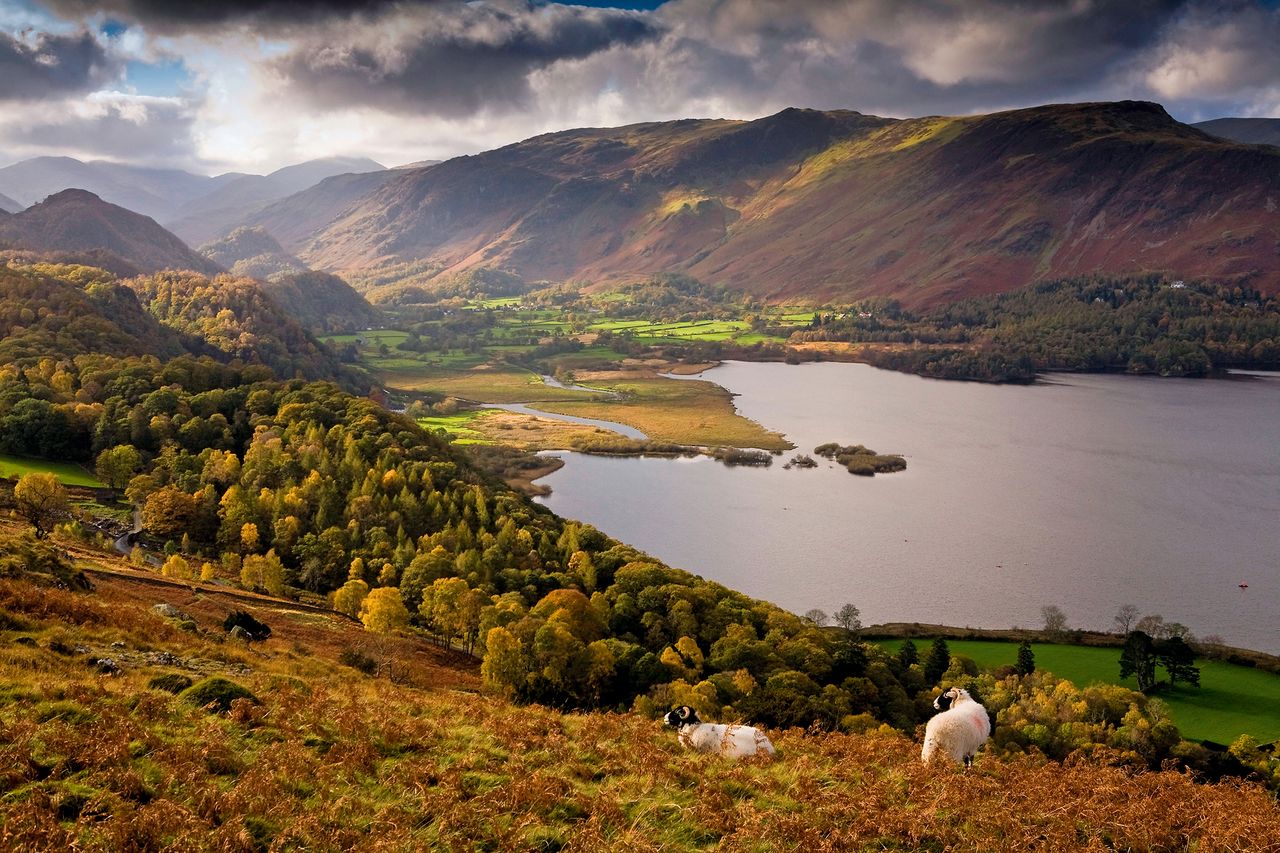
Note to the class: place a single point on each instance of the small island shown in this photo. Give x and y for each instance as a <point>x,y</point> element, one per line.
<point>860,460</point>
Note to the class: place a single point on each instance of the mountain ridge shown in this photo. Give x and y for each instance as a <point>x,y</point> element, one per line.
<point>1250,131</point>
<point>827,205</point>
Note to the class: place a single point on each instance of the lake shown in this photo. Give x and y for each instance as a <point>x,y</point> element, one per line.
<point>1085,491</point>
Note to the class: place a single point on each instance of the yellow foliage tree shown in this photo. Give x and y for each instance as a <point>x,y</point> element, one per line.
<point>383,611</point>
<point>207,572</point>
<point>41,500</point>
<point>348,598</point>
<point>176,567</point>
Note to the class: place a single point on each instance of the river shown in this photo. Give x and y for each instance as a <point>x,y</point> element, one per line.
<point>1084,491</point>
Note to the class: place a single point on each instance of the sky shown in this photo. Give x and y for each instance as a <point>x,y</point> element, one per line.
<point>253,85</point>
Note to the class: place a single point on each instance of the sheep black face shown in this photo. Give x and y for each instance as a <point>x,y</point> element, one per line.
<point>944,701</point>
<point>682,716</point>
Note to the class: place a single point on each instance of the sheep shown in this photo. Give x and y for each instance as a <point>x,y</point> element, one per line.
<point>730,741</point>
<point>959,731</point>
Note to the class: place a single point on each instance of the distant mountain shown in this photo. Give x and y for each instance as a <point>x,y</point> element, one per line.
<point>1252,131</point>
<point>152,192</point>
<point>199,207</point>
<point>79,221</point>
<point>820,205</point>
<point>212,215</point>
<point>296,220</point>
<point>8,205</point>
<point>252,252</point>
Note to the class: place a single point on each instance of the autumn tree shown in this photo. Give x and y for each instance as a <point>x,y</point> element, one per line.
<point>117,465</point>
<point>41,500</point>
<point>817,617</point>
<point>383,611</point>
<point>178,568</point>
<point>349,598</point>
<point>168,512</point>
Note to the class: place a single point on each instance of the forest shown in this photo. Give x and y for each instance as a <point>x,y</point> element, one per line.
<point>1140,324</point>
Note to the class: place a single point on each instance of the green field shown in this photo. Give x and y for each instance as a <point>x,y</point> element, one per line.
<point>1231,700</point>
<point>68,474</point>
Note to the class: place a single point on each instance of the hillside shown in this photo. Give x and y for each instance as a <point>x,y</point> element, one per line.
<point>1252,131</point>
<point>839,205</point>
<point>394,748</point>
<point>8,205</point>
<point>237,318</point>
<point>295,220</point>
<point>251,252</point>
<point>77,220</point>
<point>71,311</point>
<point>210,216</point>
<point>324,304</point>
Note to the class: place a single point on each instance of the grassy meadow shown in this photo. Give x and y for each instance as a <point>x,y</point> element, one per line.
<point>13,467</point>
<point>1231,700</point>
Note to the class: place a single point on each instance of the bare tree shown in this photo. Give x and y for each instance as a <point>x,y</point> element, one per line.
<point>1125,618</point>
<point>1055,621</point>
<point>817,617</point>
<point>849,618</point>
<point>1153,626</point>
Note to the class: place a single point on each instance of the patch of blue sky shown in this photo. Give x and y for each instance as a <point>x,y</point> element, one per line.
<point>163,78</point>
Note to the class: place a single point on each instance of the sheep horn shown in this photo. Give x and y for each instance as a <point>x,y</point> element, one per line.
<point>684,712</point>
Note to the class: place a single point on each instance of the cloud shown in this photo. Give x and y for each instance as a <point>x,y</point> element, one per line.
<point>110,125</point>
<point>34,66</point>
<point>183,16</point>
<point>399,80</point>
<point>450,60</point>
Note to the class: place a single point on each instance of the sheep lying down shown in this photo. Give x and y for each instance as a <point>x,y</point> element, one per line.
<point>731,741</point>
<point>959,731</point>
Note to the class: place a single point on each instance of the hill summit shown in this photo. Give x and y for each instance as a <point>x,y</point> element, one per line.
<point>78,221</point>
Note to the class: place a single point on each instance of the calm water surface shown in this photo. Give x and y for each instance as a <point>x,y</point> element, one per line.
<point>1087,492</point>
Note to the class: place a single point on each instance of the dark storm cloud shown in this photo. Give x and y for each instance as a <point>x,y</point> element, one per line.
<point>44,65</point>
<point>167,17</point>
<point>452,60</point>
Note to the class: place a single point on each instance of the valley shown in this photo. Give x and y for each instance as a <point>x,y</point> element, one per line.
<point>398,512</point>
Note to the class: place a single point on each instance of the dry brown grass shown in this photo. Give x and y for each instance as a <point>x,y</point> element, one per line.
<point>336,760</point>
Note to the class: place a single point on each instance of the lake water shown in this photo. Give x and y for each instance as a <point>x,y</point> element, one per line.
<point>1086,491</point>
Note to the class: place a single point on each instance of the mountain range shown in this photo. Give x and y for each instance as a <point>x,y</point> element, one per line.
<point>803,204</point>
<point>823,204</point>
<point>197,207</point>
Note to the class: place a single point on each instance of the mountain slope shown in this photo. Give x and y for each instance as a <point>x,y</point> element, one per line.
<point>212,215</point>
<point>77,220</point>
<point>1252,131</point>
<point>8,205</point>
<point>295,220</point>
<point>806,204</point>
<point>324,304</point>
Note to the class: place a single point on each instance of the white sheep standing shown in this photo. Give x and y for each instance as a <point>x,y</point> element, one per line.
<point>959,731</point>
<point>731,741</point>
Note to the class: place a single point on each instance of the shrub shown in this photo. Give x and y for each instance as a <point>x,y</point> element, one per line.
<point>357,659</point>
<point>256,630</point>
<point>170,682</point>
<point>218,693</point>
